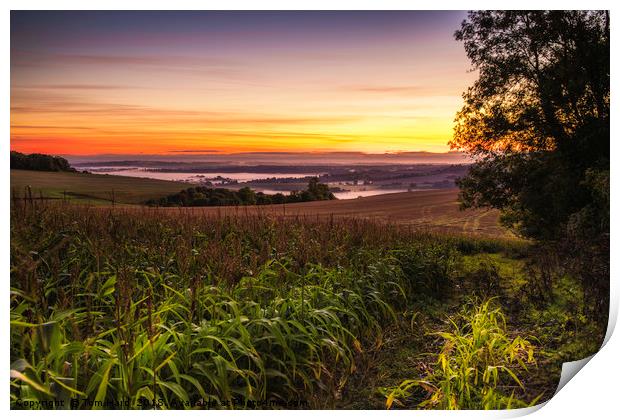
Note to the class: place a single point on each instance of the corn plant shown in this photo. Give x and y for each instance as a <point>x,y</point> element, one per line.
<point>477,367</point>
<point>176,309</point>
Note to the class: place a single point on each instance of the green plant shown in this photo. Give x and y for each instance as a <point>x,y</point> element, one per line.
<point>477,366</point>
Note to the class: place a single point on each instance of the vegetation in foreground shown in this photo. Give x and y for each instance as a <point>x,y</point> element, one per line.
<point>476,358</point>
<point>139,309</point>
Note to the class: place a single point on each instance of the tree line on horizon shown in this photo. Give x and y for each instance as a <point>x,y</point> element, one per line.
<point>40,162</point>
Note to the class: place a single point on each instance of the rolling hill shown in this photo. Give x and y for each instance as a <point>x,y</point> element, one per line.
<point>91,188</point>
<point>430,209</point>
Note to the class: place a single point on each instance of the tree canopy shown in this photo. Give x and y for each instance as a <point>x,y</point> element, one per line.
<point>537,118</point>
<point>205,196</point>
<point>39,162</point>
<point>536,121</point>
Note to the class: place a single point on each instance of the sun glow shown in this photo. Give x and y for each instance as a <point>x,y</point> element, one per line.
<point>234,82</point>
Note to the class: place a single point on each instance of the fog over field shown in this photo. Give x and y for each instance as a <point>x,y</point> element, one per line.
<point>275,158</point>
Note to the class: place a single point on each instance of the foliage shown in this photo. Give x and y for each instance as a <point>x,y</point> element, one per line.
<point>204,196</point>
<point>537,118</point>
<point>135,304</point>
<point>141,306</point>
<point>478,363</point>
<point>39,162</point>
<point>537,122</point>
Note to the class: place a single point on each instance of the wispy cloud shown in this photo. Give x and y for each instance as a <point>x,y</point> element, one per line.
<point>404,90</point>
<point>28,58</point>
<point>386,89</point>
<point>49,127</point>
<point>195,151</point>
<point>65,87</point>
<point>58,103</point>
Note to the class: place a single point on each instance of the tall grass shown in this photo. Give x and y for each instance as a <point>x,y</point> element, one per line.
<point>175,310</point>
<point>138,308</point>
<point>477,368</point>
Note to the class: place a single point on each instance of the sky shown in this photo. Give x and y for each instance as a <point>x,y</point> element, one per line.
<point>175,82</point>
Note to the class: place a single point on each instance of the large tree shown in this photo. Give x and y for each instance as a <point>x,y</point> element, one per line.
<point>536,121</point>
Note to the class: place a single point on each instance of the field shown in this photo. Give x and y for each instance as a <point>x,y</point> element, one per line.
<point>91,188</point>
<point>132,307</point>
<point>434,209</point>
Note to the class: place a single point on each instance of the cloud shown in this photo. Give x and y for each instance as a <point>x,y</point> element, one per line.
<point>195,151</point>
<point>57,103</point>
<point>50,127</point>
<point>387,89</point>
<point>27,58</point>
<point>405,90</point>
<point>76,87</point>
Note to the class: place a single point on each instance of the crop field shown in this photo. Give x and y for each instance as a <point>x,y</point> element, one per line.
<point>146,308</point>
<point>436,210</point>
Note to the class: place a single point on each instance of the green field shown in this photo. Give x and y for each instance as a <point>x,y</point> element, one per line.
<point>398,301</point>
<point>143,305</point>
<point>91,188</point>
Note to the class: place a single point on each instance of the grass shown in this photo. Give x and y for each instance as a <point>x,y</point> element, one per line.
<point>435,210</point>
<point>91,188</point>
<point>147,309</point>
<point>477,363</point>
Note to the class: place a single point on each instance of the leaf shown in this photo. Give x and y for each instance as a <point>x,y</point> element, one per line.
<point>108,287</point>
<point>103,386</point>
<point>18,375</point>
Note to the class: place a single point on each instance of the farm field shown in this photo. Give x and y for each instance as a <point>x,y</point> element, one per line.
<point>183,308</point>
<point>431,210</point>
<point>436,210</point>
<point>91,188</point>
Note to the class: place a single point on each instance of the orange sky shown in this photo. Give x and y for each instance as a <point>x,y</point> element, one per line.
<point>139,82</point>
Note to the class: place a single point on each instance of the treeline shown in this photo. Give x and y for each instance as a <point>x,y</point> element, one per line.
<point>206,196</point>
<point>40,162</point>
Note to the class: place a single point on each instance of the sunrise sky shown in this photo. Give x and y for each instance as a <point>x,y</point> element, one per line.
<point>205,82</point>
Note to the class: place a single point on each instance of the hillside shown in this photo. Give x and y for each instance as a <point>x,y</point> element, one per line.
<point>91,188</point>
<point>436,210</point>
<point>433,209</point>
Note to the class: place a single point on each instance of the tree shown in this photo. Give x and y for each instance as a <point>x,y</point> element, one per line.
<point>537,118</point>
<point>536,121</point>
<point>39,162</point>
<point>247,196</point>
<point>317,191</point>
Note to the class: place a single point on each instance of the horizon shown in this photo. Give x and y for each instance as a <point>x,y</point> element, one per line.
<point>273,158</point>
<point>231,82</point>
